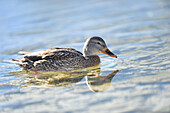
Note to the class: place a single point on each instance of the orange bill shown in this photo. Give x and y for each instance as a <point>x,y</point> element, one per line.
<point>108,52</point>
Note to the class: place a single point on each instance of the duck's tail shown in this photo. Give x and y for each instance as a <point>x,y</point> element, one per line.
<point>24,64</point>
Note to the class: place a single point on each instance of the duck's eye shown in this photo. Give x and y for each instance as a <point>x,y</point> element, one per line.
<point>98,43</point>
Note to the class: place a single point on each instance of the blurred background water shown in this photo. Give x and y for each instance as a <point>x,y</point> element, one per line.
<point>136,31</point>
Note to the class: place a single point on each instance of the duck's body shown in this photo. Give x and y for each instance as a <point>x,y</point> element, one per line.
<point>62,59</point>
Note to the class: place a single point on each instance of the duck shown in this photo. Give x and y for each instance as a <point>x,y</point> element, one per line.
<point>64,59</point>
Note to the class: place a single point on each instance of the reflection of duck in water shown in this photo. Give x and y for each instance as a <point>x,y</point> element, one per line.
<point>94,81</point>
<point>99,83</point>
<point>54,79</point>
<point>65,59</point>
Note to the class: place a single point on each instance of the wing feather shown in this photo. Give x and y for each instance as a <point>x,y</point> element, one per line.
<point>61,55</point>
<point>53,53</point>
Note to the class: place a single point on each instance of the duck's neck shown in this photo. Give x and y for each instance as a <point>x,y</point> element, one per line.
<point>88,50</point>
<point>92,60</point>
<point>91,57</point>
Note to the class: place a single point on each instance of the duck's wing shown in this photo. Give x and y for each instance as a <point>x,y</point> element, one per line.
<point>32,56</point>
<point>61,53</point>
<point>52,53</point>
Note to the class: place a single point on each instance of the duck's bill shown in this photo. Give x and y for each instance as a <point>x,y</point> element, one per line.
<point>109,53</point>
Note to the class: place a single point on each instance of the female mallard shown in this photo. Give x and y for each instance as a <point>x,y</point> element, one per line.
<point>64,59</point>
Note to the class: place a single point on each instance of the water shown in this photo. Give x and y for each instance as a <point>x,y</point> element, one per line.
<point>137,31</point>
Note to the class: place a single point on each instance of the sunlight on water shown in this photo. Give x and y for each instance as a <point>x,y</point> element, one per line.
<point>138,33</point>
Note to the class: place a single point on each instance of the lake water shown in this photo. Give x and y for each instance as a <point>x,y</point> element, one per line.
<point>138,32</point>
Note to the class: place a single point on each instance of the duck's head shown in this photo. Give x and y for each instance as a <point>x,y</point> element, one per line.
<point>96,45</point>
